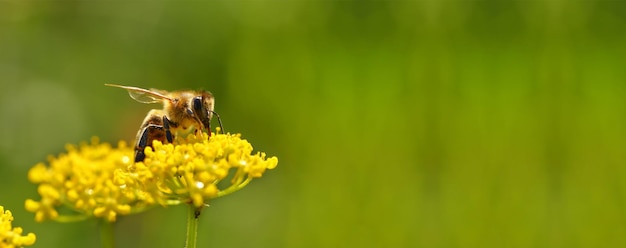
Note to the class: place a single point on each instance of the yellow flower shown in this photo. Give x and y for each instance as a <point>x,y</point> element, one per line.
<point>12,236</point>
<point>192,170</point>
<point>83,181</point>
<point>97,180</point>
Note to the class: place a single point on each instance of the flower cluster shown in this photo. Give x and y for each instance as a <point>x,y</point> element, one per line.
<point>82,180</point>
<point>12,236</point>
<point>191,170</point>
<point>101,181</point>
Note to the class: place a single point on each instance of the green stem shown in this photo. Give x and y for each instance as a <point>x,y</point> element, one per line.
<point>106,234</point>
<point>234,187</point>
<point>71,218</point>
<point>192,226</point>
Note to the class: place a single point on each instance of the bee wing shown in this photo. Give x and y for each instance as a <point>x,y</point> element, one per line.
<point>143,95</point>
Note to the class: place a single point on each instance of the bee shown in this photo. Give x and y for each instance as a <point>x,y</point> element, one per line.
<point>183,112</point>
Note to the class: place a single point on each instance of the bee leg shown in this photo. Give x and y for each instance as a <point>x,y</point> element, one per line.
<point>141,145</point>
<point>145,140</point>
<point>166,126</point>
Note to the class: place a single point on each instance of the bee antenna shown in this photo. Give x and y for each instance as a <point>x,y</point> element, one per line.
<point>219,120</point>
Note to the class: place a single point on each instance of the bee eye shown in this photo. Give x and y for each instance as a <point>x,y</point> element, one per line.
<point>201,112</point>
<point>197,104</point>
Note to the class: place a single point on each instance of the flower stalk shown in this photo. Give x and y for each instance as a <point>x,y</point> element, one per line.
<point>193,214</point>
<point>107,234</point>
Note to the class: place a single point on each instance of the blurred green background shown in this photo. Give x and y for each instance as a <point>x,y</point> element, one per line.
<point>396,123</point>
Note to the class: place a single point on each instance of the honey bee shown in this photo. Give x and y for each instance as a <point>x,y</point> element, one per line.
<point>183,112</point>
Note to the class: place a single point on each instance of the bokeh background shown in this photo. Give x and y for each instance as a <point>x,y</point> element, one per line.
<point>396,123</point>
